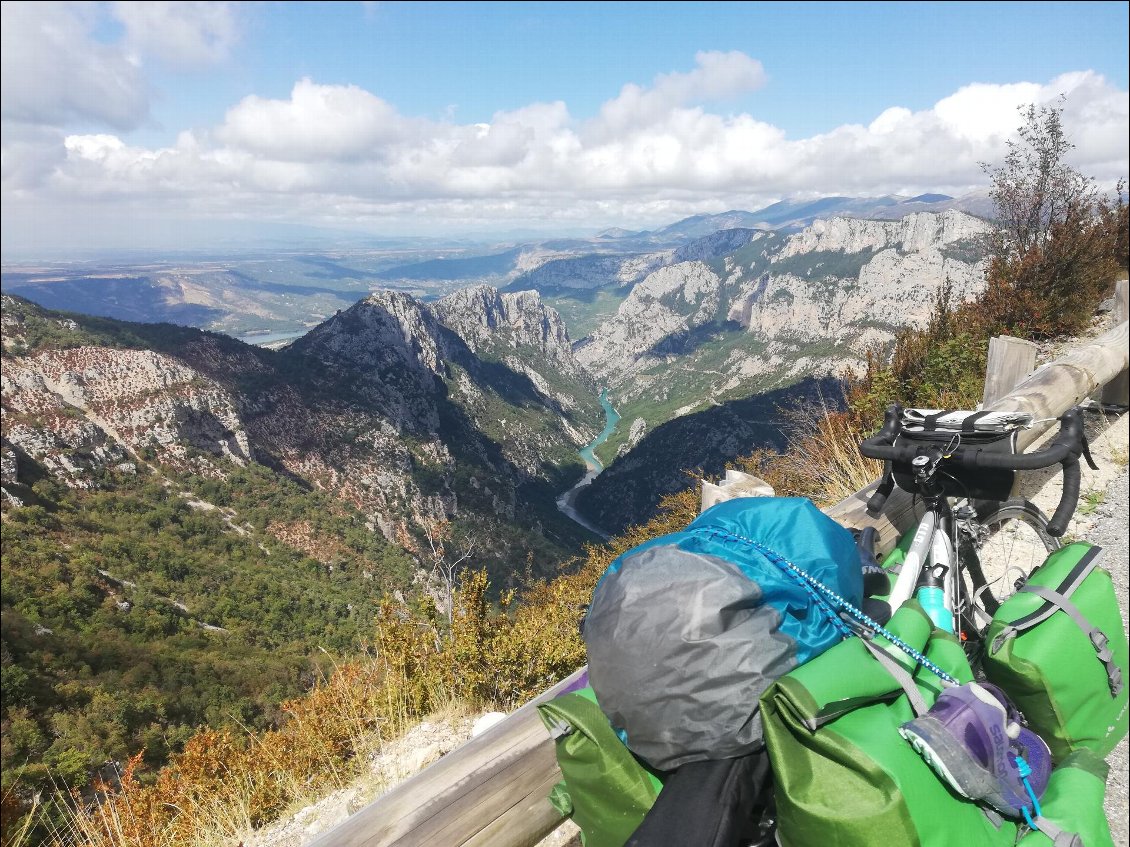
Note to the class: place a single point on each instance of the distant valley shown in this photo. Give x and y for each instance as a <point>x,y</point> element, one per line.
<point>290,290</point>
<point>697,315</point>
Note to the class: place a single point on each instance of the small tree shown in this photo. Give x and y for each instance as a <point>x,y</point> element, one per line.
<point>446,564</point>
<point>1057,249</point>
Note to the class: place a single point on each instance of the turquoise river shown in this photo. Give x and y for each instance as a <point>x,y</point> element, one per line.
<point>611,418</point>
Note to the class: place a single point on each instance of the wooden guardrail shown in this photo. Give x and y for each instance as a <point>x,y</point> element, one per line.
<point>492,790</point>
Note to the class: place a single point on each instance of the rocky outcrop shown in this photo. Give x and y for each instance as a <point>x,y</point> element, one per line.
<point>671,301</point>
<point>382,406</point>
<point>493,323</point>
<point>915,233</point>
<point>86,408</point>
<point>811,302</point>
<point>855,283</point>
<point>391,347</point>
<point>519,331</point>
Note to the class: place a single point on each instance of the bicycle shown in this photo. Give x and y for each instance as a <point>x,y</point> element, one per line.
<point>974,545</point>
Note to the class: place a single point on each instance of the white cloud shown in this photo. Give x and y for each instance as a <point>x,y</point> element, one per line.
<point>58,67</point>
<point>189,34</point>
<point>54,71</point>
<point>340,155</point>
<point>28,156</point>
<point>318,122</point>
<point>718,76</point>
<point>984,113</point>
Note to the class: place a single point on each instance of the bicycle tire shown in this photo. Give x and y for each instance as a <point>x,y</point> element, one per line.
<point>1012,541</point>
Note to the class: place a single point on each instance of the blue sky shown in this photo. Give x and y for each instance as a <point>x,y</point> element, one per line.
<point>145,124</point>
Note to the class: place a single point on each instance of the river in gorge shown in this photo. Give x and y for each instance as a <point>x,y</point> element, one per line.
<point>565,503</point>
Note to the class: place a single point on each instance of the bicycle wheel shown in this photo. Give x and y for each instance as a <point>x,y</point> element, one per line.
<point>1003,547</point>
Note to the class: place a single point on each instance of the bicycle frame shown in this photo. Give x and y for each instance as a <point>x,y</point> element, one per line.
<point>932,552</point>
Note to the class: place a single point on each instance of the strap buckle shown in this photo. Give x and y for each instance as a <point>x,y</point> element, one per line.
<point>1099,639</point>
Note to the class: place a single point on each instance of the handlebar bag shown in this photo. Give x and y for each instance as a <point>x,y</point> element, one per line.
<point>962,431</point>
<point>1058,648</point>
<point>842,773</point>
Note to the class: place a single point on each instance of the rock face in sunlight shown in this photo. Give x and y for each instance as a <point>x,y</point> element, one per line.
<point>95,407</point>
<point>810,303</point>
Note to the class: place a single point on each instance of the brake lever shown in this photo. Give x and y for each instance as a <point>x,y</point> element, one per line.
<point>1087,454</point>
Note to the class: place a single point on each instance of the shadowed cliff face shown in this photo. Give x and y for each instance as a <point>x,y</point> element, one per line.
<point>674,455</point>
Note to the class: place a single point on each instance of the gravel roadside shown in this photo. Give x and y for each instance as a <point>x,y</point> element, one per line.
<point>1109,532</point>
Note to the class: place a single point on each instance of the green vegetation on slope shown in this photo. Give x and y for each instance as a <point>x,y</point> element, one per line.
<point>584,309</point>
<point>135,614</point>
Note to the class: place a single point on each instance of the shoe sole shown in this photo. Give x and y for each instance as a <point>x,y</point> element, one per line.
<point>923,748</point>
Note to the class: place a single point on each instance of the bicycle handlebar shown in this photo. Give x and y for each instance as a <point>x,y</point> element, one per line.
<point>1069,444</point>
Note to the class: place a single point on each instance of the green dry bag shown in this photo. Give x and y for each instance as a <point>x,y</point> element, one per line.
<point>606,790</point>
<point>1072,812</point>
<point>1058,648</point>
<point>843,774</point>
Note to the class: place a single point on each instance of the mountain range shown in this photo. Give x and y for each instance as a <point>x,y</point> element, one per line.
<point>208,512</point>
<point>405,407</point>
<point>291,289</point>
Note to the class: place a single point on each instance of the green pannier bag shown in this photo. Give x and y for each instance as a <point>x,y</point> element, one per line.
<point>606,790</point>
<point>1072,813</point>
<point>843,774</point>
<point>1058,648</point>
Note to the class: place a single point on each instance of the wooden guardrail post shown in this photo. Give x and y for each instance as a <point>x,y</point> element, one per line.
<point>1010,360</point>
<point>1117,391</point>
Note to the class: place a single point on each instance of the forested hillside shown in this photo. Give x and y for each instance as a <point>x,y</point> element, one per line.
<point>196,529</point>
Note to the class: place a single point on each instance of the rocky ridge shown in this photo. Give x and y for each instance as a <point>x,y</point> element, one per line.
<point>809,303</point>
<point>382,406</point>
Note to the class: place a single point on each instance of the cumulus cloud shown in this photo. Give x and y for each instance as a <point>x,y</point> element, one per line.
<point>317,122</point>
<point>340,155</point>
<point>718,76</point>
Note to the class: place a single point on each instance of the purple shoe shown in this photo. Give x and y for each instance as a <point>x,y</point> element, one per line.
<point>973,739</point>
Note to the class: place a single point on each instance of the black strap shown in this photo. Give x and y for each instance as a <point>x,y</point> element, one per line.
<point>1067,587</point>
<point>930,422</point>
<point>969,424</point>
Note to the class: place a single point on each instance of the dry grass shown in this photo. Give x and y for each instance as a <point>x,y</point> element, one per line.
<point>822,462</point>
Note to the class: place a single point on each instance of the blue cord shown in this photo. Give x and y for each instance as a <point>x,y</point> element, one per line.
<point>827,598</point>
<point>1025,770</point>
